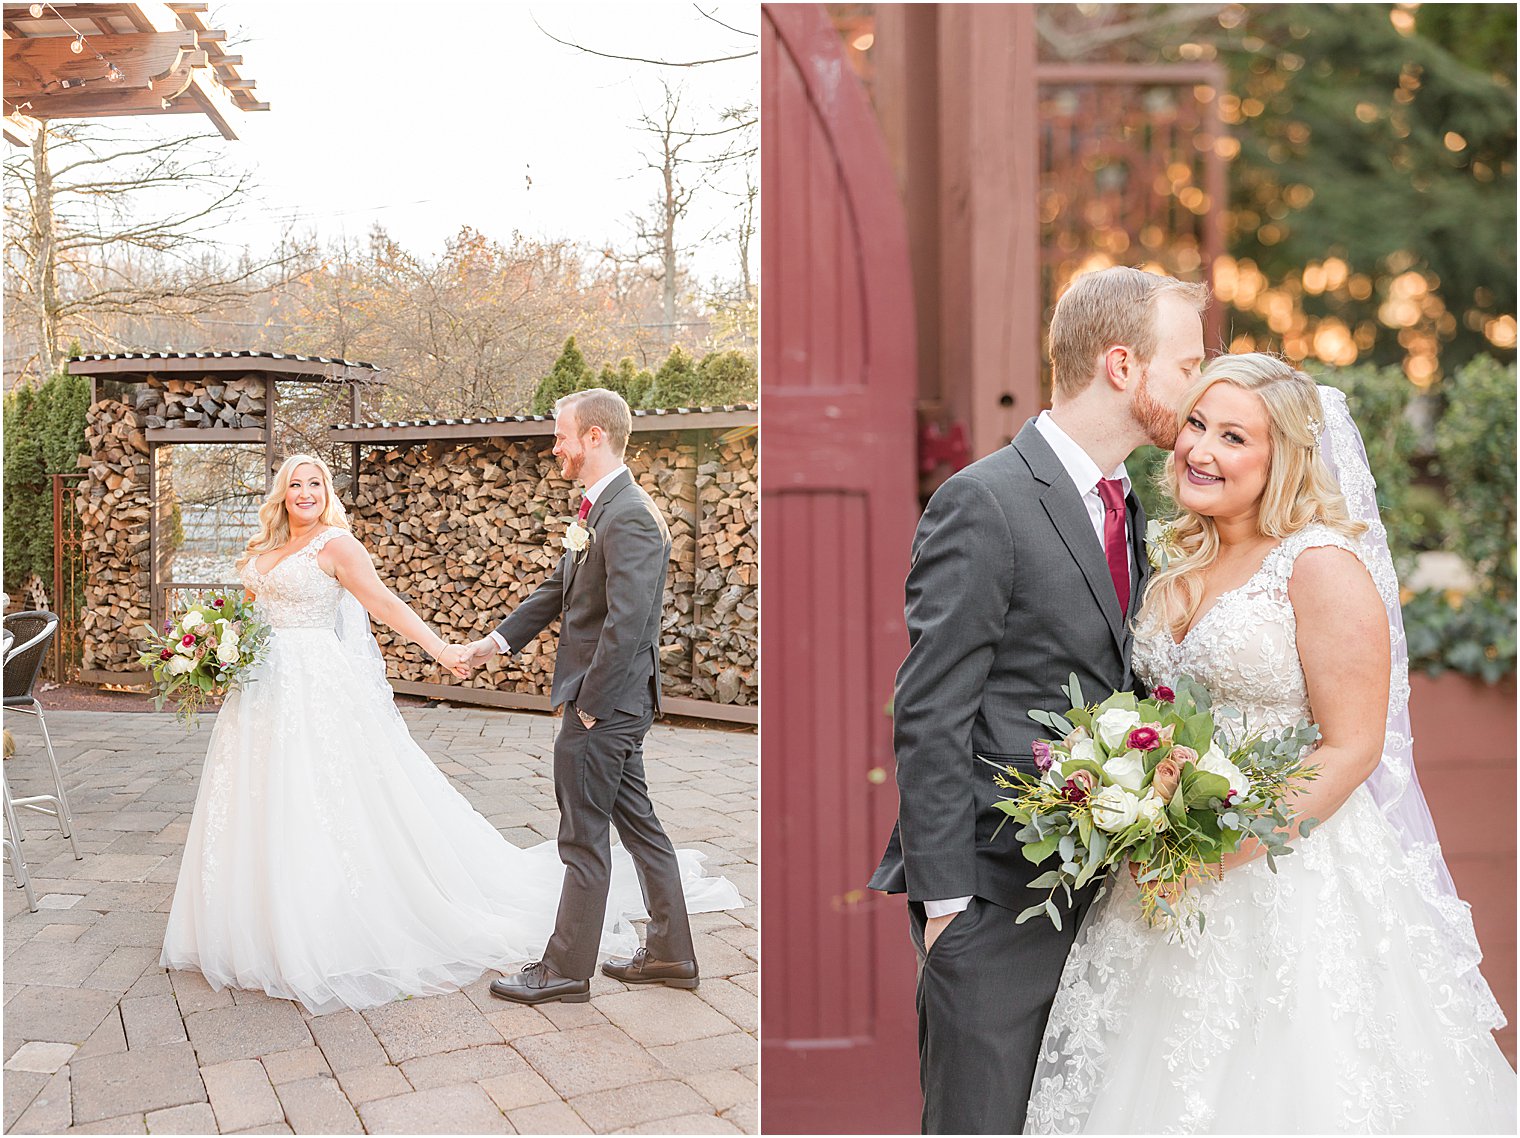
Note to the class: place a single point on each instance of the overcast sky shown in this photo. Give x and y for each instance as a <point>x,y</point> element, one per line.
<point>383,113</point>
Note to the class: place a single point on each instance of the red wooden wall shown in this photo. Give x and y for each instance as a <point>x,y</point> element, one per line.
<point>839,497</point>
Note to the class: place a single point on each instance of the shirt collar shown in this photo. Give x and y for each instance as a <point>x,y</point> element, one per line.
<point>1078,463</point>
<point>596,488</point>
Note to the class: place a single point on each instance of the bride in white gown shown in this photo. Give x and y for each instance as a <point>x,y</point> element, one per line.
<point>328,860</point>
<point>1341,993</point>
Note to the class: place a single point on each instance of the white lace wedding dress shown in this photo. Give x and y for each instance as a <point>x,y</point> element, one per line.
<point>1319,998</point>
<point>329,861</point>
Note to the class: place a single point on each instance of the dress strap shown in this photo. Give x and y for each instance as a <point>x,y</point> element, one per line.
<point>314,546</point>
<point>1312,536</point>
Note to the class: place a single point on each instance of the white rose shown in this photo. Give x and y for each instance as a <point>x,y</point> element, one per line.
<point>576,537</point>
<point>227,652</point>
<point>184,649</point>
<point>1084,749</point>
<point>180,665</point>
<point>192,618</point>
<point>1128,770</point>
<point>1152,810</point>
<point>1215,763</point>
<point>1115,724</point>
<point>1114,808</point>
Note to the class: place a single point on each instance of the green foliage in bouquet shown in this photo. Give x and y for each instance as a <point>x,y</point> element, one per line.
<point>1158,782</point>
<point>202,652</point>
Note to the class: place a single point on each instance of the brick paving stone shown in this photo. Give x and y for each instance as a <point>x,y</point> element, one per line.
<point>745,1115</point>
<point>140,930</point>
<point>40,1058</point>
<point>241,1094</point>
<point>369,1083</point>
<point>521,1088</point>
<point>61,965</point>
<point>246,1032</point>
<point>276,1128</point>
<point>195,995</point>
<point>151,1020</point>
<point>469,1065</point>
<point>588,1059</point>
<point>59,900</point>
<point>685,1124</point>
<point>723,1089</point>
<point>426,1026</point>
<point>20,1088</point>
<point>122,1124</point>
<point>721,1052</point>
<point>442,1110</point>
<point>123,968</point>
<point>547,1118</point>
<point>153,982</point>
<point>108,1039</point>
<point>514,1021</point>
<point>657,1015</point>
<point>606,1111</point>
<point>56,1015</point>
<point>60,934</point>
<point>318,1106</point>
<point>135,1082</point>
<point>123,867</point>
<point>736,1004</point>
<point>299,1063</point>
<point>569,1016</point>
<point>114,896</point>
<point>51,1112</point>
<point>347,1041</point>
<point>193,1118</point>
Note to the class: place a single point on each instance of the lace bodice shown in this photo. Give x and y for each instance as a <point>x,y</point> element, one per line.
<point>296,593</point>
<point>1245,648</point>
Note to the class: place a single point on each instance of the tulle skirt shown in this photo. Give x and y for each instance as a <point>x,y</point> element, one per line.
<point>329,861</point>
<point>1317,1000</point>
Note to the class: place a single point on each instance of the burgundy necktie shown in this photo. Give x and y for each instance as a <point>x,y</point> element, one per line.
<point>1115,539</point>
<point>585,509</point>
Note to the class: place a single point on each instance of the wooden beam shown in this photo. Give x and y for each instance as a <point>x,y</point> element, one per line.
<point>35,67</point>
<point>21,130</point>
<point>196,435</point>
<point>195,365</point>
<point>184,7</point>
<point>423,432</point>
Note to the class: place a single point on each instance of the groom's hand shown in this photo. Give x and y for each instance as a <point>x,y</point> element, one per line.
<point>478,652</point>
<point>934,926</point>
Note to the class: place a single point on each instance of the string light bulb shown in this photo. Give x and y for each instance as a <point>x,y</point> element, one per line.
<point>36,11</point>
<point>77,47</point>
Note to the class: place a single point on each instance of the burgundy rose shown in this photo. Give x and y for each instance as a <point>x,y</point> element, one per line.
<point>1080,785</point>
<point>1041,751</point>
<point>1144,739</point>
<point>188,641</point>
<point>166,654</point>
<point>218,603</point>
<point>1163,693</point>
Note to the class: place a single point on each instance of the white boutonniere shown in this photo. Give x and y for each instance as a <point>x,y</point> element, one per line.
<point>577,537</point>
<point>1160,543</point>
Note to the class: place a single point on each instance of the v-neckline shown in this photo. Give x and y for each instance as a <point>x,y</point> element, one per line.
<point>265,573</point>
<point>1247,583</point>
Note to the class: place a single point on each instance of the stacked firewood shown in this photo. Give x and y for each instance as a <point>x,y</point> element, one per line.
<point>114,508</point>
<point>465,533</point>
<point>207,402</point>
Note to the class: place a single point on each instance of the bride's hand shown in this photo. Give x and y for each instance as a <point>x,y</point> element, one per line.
<point>456,658</point>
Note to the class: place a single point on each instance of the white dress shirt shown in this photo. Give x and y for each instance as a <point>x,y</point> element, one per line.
<point>1085,474</point>
<point>591,495</point>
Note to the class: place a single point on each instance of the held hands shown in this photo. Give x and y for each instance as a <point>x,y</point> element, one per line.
<point>456,658</point>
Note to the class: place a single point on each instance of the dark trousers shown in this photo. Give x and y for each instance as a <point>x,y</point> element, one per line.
<point>984,994</point>
<point>599,782</point>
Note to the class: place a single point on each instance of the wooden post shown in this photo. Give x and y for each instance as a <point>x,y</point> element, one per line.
<point>353,450</point>
<point>269,466</point>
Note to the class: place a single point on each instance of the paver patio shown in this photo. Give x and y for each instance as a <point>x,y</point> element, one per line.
<point>100,1039</point>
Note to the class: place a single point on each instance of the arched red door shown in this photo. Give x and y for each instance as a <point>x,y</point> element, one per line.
<point>838,389</point>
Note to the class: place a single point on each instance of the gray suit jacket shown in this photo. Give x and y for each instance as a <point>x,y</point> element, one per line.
<point>1008,594</point>
<point>609,605</point>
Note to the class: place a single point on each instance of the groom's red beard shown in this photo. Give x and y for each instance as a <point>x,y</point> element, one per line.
<point>1158,422</point>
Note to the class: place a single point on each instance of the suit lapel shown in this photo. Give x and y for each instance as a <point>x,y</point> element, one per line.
<point>609,492</point>
<point>1069,516</point>
<point>1137,545</point>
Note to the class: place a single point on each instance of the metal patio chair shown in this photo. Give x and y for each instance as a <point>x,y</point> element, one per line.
<point>34,632</point>
<point>12,844</point>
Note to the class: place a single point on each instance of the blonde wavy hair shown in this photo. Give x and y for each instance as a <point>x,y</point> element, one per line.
<point>1300,487</point>
<point>274,522</point>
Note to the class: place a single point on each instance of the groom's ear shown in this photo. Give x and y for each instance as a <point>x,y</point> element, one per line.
<point>1120,366</point>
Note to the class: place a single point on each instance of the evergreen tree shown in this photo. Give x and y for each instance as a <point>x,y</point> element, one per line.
<point>569,373</point>
<point>44,435</point>
<point>629,381</point>
<point>728,377</point>
<point>677,383</point>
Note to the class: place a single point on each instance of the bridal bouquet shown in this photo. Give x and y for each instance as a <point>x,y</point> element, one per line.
<point>205,650</point>
<point>1156,782</point>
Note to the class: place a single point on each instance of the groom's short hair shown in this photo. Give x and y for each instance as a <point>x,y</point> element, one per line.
<point>1104,308</point>
<point>599,407</point>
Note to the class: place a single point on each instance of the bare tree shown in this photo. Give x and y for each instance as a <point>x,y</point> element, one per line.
<point>100,225</point>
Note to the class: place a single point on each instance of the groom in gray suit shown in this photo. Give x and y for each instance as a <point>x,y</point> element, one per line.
<point>607,596</point>
<point>1026,567</point>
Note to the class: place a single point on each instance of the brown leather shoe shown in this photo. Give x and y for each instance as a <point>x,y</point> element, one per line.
<point>641,968</point>
<point>537,983</point>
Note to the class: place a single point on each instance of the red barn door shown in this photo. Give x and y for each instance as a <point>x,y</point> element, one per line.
<point>838,390</point>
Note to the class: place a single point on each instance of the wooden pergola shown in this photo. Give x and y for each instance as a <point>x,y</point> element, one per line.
<point>87,61</point>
